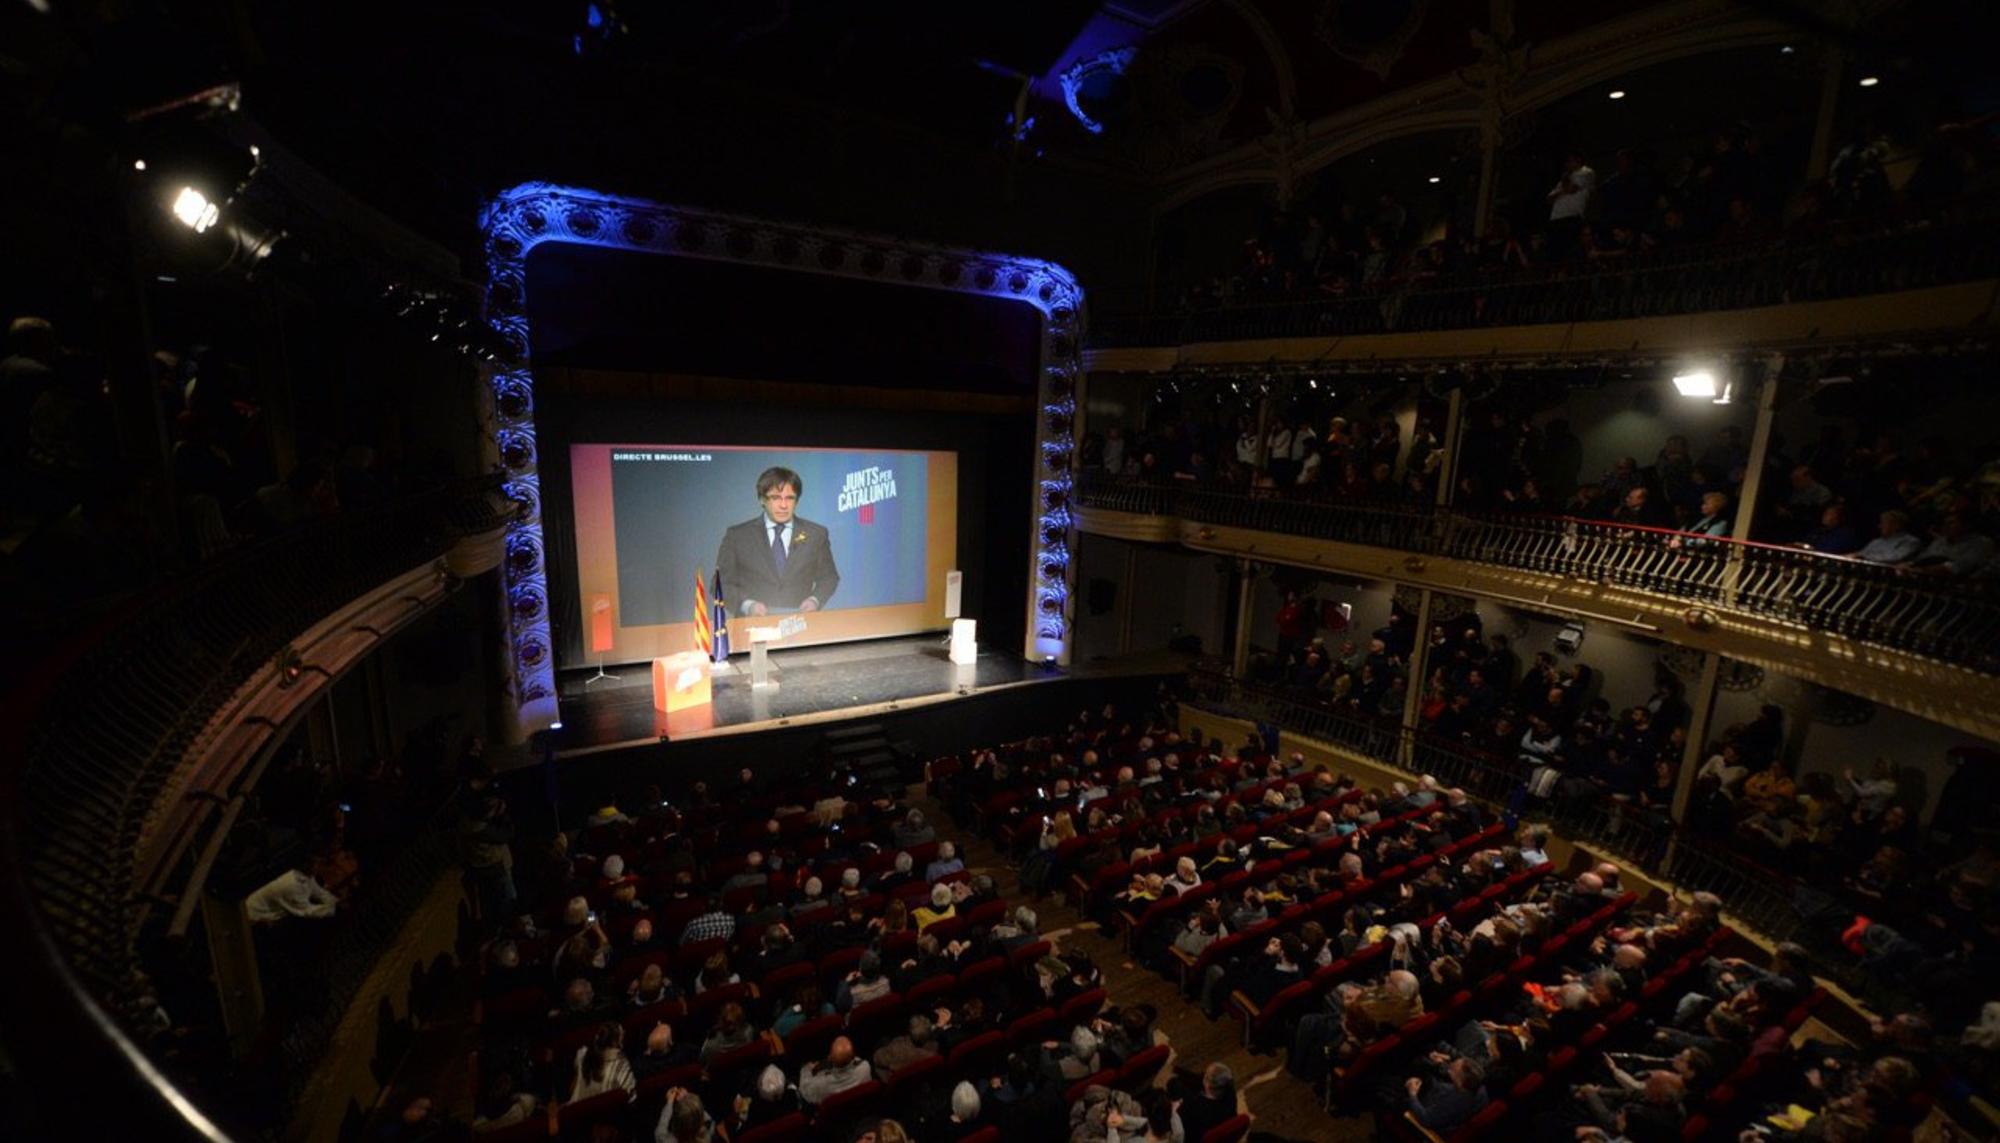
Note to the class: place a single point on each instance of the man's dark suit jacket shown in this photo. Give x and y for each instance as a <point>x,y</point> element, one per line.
<point>749,574</point>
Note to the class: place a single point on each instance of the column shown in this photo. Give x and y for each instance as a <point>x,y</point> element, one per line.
<point>232,953</point>
<point>1701,705</point>
<point>1263,434</point>
<point>1246,610</point>
<point>1760,446</point>
<point>1454,431</point>
<point>381,738</point>
<point>1413,694</point>
<point>322,730</point>
<point>1126,582</point>
<point>1833,70</point>
<point>1489,164</point>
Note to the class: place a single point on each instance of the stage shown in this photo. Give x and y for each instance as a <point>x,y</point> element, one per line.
<point>814,685</point>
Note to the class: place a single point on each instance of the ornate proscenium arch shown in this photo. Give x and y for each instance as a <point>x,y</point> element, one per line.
<point>528,215</point>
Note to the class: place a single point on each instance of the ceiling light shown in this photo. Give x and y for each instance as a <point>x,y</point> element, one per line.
<point>1700,383</point>
<point>138,164</point>
<point>1870,80</point>
<point>1618,94</point>
<point>193,208</point>
<point>1434,179</point>
<point>1787,50</point>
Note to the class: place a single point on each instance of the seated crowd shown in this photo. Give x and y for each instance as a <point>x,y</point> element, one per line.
<point>1923,508</point>
<point>1412,960</point>
<point>1637,211</point>
<point>1913,912</point>
<point>762,965</point>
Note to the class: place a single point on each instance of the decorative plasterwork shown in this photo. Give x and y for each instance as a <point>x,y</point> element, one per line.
<point>1555,70</point>
<point>1378,54</point>
<point>531,214</point>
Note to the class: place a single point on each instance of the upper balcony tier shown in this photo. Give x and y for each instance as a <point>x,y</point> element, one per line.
<point>1927,279</point>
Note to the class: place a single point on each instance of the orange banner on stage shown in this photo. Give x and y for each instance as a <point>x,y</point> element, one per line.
<point>600,622</point>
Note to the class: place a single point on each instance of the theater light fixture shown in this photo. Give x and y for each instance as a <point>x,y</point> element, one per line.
<point>138,164</point>
<point>1870,80</point>
<point>1617,94</point>
<point>1700,383</point>
<point>1434,179</point>
<point>193,208</point>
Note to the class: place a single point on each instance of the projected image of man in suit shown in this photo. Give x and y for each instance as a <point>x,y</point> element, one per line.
<point>778,561</point>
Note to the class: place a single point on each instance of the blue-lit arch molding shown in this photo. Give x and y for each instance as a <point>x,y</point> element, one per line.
<point>520,219</point>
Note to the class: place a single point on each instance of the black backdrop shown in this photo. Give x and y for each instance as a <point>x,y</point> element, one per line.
<point>624,312</point>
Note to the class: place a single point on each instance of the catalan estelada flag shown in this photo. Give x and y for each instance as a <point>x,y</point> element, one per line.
<point>719,622</point>
<point>702,641</point>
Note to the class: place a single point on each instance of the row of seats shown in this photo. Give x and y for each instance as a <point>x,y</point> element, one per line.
<point>1168,911</point>
<point>1270,1024</point>
<point>1563,1060</point>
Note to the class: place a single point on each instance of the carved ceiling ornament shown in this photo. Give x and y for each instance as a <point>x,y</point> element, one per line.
<point>1183,95</point>
<point>1371,33</point>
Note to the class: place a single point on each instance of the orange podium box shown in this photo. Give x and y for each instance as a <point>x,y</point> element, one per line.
<point>680,681</point>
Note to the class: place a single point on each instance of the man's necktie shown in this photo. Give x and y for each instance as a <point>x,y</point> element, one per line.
<point>778,549</point>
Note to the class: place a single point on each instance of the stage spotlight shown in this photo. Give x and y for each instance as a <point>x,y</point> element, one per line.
<point>138,164</point>
<point>1434,179</point>
<point>193,208</point>
<point>1870,80</point>
<point>1619,94</point>
<point>556,725</point>
<point>1700,383</point>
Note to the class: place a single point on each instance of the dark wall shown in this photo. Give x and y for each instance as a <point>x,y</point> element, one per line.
<point>632,310</point>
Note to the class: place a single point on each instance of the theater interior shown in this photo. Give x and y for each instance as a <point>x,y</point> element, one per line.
<point>1129,571</point>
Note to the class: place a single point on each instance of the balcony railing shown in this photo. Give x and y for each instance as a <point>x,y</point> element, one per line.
<point>1693,281</point>
<point>105,728</point>
<point>1951,621</point>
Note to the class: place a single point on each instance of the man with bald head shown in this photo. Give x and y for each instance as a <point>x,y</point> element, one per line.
<point>1607,877</point>
<point>839,1071</point>
<point>661,1052</point>
<point>1581,900</point>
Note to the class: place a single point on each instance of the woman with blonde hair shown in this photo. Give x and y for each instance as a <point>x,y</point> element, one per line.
<point>1040,865</point>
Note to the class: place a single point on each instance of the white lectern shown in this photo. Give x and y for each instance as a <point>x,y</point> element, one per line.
<point>761,639</point>
<point>964,641</point>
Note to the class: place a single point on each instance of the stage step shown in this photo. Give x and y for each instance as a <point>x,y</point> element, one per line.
<point>859,730</point>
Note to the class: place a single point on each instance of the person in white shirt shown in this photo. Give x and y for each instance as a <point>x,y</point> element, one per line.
<point>1246,444</point>
<point>1569,199</point>
<point>1279,452</point>
<point>292,893</point>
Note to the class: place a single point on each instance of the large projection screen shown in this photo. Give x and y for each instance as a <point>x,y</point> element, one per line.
<point>873,532</point>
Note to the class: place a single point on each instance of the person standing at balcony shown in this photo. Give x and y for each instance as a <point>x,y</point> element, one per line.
<point>1278,450</point>
<point>1291,626</point>
<point>1569,201</point>
<point>1246,442</point>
